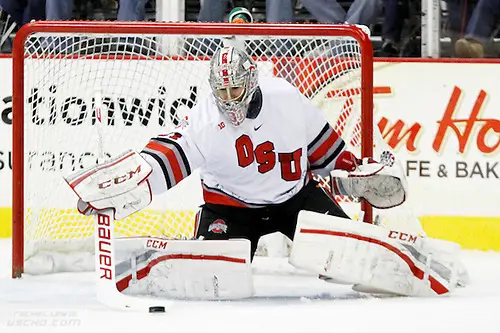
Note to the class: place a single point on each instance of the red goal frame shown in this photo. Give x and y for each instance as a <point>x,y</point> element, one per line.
<point>159,28</point>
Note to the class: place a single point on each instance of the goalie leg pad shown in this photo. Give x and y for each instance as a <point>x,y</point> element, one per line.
<point>185,269</point>
<point>374,257</point>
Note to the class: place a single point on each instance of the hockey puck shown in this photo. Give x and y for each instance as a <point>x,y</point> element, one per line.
<point>156,309</point>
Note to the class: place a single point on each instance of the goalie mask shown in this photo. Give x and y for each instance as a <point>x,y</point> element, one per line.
<point>233,79</point>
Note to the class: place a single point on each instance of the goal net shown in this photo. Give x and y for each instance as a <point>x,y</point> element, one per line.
<point>150,75</point>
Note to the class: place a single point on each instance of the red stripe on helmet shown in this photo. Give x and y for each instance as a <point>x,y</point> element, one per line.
<point>224,60</point>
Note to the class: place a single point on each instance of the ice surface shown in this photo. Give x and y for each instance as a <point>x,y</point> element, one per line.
<point>287,300</point>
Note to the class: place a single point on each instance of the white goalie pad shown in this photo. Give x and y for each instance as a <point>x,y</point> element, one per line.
<point>184,269</point>
<point>373,258</point>
<point>121,184</point>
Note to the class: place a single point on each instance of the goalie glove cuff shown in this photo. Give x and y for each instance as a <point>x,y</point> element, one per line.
<point>347,161</point>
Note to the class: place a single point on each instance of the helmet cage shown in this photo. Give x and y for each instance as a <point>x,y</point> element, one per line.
<point>233,68</point>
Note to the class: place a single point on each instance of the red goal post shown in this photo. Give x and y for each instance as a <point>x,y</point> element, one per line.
<point>30,54</point>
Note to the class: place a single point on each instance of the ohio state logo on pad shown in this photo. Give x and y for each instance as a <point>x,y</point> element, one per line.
<point>218,227</point>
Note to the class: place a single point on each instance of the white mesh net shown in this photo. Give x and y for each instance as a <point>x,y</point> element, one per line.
<point>148,83</point>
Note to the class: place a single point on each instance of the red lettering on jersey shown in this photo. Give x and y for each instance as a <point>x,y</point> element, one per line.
<point>244,150</point>
<point>290,165</point>
<point>265,157</point>
<point>221,125</point>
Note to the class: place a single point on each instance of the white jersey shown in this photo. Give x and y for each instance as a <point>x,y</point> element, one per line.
<point>265,160</point>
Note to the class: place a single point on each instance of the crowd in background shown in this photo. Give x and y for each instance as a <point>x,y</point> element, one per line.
<point>468,28</point>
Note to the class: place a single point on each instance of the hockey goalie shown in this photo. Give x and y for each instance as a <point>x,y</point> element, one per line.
<point>258,142</point>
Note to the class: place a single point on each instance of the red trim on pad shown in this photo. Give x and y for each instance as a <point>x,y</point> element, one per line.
<point>436,286</point>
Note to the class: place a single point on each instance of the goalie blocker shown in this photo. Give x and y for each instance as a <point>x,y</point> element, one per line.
<point>120,184</point>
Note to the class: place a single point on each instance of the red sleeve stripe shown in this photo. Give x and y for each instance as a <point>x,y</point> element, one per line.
<point>330,158</point>
<point>179,153</point>
<point>172,164</point>
<point>162,165</point>
<point>324,147</point>
<point>314,143</point>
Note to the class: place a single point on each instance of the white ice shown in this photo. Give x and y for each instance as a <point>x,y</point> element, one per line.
<point>287,300</point>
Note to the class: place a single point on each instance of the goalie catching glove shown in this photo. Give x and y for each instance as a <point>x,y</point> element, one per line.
<point>382,185</point>
<point>120,183</point>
